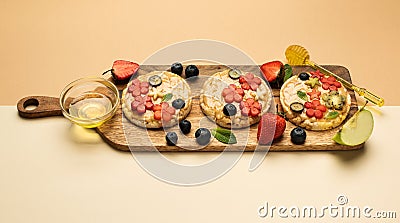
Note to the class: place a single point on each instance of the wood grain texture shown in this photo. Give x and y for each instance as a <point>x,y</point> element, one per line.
<point>45,107</point>
<point>119,132</point>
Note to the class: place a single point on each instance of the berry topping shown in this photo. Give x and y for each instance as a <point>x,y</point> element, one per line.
<point>191,71</point>
<point>229,110</point>
<point>177,68</point>
<point>315,109</point>
<point>178,103</point>
<point>304,76</point>
<point>317,74</point>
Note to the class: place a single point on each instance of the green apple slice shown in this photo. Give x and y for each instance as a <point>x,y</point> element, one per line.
<point>356,130</point>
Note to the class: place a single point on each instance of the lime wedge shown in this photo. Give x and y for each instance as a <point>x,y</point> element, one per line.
<point>356,130</point>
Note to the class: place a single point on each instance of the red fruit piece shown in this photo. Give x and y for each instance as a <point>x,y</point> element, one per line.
<point>324,80</point>
<point>315,103</point>
<point>318,114</point>
<point>141,109</point>
<point>254,112</point>
<point>331,78</point>
<point>246,86</point>
<point>148,98</point>
<point>337,84</point>
<point>321,108</point>
<point>271,70</point>
<point>144,90</point>
<point>171,110</point>
<point>270,127</point>
<point>232,86</point>
<point>250,101</point>
<point>157,115</point>
<point>157,107</point>
<point>332,88</point>
<point>325,86</point>
<point>257,80</point>
<point>253,86</point>
<point>149,105</point>
<point>166,117</point>
<point>229,98</point>
<point>144,84</point>
<point>136,92</point>
<point>240,91</point>
<point>314,94</point>
<point>226,91</point>
<point>134,105</point>
<point>122,69</point>
<point>308,105</point>
<point>257,105</point>
<point>310,112</point>
<point>249,76</point>
<point>245,111</point>
<point>237,98</point>
<point>136,82</point>
<point>242,80</point>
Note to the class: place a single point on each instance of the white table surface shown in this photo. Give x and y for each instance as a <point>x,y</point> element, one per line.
<point>47,175</point>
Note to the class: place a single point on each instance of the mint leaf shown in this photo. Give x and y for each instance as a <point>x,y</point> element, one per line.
<point>332,115</point>
<point>302,95</point>
<point>224,135</point>
<point>167,97</point>
<point>288,72</point>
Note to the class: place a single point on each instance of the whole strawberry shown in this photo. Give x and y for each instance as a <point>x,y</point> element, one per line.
<point>271,127</point>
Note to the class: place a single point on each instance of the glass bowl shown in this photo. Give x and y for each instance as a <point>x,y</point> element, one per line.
<point>89,101</point>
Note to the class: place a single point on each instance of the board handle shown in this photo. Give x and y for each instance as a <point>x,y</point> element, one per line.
<point>42,106</point>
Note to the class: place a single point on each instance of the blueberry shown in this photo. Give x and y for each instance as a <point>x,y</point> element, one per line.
<point>172,138</point>
<point>178,103</point>
<point>230,110</point>
<point>203,136</point>
<point>304,76</point>
<point>177,68</point>
<point>298,135</point>
<point>185,126</point>
<point>191,71</point>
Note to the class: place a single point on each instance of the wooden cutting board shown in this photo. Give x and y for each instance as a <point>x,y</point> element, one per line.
<point>119,132</point>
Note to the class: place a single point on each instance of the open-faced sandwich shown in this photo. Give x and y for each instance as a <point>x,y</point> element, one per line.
<point>315,101</point>
<point>235,99</point>
<point>157,99</point>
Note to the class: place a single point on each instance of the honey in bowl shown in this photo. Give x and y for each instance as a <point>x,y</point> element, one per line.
<point>89,102</point>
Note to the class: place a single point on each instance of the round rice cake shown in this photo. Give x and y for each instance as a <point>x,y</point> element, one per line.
<point>147,105</point>
<point>315,101</point>
<point>250,95</point>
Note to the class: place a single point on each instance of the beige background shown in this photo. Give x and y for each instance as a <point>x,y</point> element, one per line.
<point>46,44</point>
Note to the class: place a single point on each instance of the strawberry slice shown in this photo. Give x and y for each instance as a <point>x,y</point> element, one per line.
<point>271,70</point>
<point>122,69</point>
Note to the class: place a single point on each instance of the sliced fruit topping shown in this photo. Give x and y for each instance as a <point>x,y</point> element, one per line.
<point>298,135</point>
<point>334,100</point>
<point>297,107</point>
<point>270,127</point>
<point>229,110</point>
<point>250,82</point>
<point>316,74</point>
<point>232,93</point>
<point>203,136</point>
<point>234,73</point>
<point>356,130</point>
<point>155,81</point>
<point>250,107</point>
<point>313,81</point>
<point>178,103</point>
<point>123,70</point>
<point>177,68</point>
<point>314,94</point>
<point>304,76</point>
<point>171,138</point>
<point>330,83</point>
<point>271,70</point>
<point>315,109</point>
<point>140,104</point>
<point>191,71</point>
<point>185,126</point>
